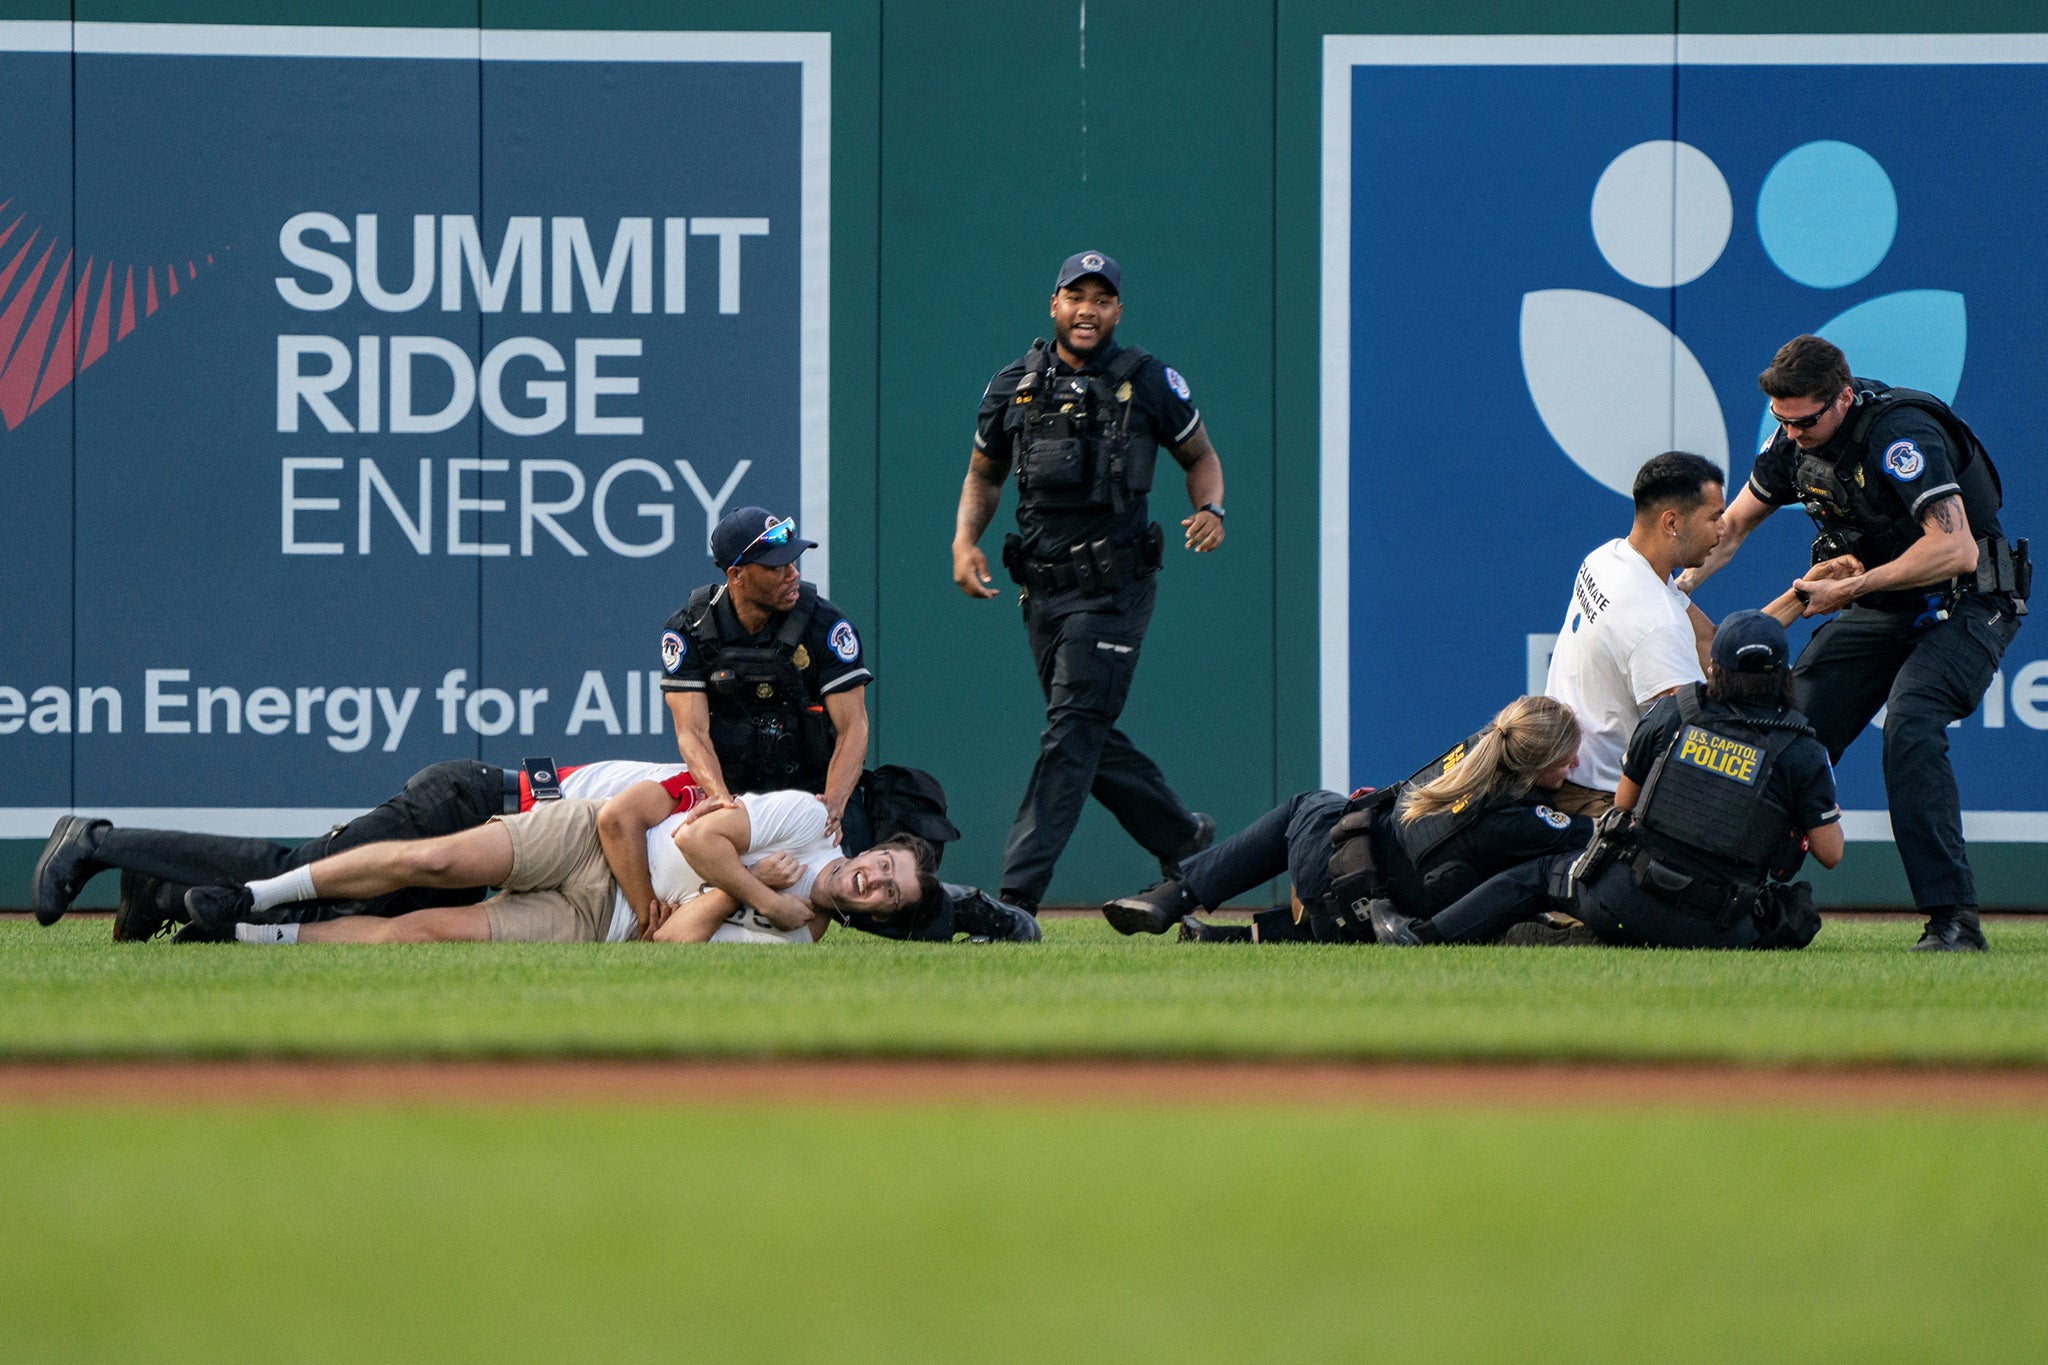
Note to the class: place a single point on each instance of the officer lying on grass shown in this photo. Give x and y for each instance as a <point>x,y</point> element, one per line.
<point>1723,791</point>
<point>635,866</point>
<point>1471,813</point>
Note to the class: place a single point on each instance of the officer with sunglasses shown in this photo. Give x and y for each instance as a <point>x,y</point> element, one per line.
<point>1895,478</point>
<point>764,678</point>
<point>1082,420</point>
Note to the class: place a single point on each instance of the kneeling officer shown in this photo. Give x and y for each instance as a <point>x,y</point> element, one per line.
<point>1723,788</point>
<point>765,678</point>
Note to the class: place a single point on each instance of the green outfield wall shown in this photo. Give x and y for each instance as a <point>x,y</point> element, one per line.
<point>972,147</point>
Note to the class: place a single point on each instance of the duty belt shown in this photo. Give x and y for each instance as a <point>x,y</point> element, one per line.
<point>1093,567</point>
<point>511,780</point>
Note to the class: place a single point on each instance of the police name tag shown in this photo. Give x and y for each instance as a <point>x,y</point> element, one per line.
<point>1720,755</point>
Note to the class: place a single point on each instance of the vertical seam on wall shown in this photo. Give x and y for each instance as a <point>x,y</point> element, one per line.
<point>477,735</point>
<point>879,635</point>
<point>76,718</point>
<point>1675,71</point>
<point>1273,632</point>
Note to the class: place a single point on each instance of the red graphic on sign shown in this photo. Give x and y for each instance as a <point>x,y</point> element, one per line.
<point>39,354</point>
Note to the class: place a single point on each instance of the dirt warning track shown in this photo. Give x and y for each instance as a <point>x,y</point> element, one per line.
<point>903,1082</point>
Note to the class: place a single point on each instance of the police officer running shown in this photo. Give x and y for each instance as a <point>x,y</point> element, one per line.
<point>1475,811</point>
<point>1083,418</point>
<point>1895,478</point>
<point>764,678</point>
<point>1722,792</point>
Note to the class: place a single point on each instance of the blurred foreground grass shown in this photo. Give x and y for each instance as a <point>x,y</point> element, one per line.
<point>1855,997</point>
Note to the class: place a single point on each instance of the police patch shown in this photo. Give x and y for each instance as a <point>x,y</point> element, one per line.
<point>1556,819</point>
<point>1903,461</point>
<point>671,650</point>
<point>845,644</point>
<point>1719,755</point>
<point>1176,383</point>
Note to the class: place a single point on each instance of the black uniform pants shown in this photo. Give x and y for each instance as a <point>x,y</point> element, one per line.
<point>1291,840</point>
<point>1086,650</point>
<point>442,798</point>
<point>1613,908</point>
<point>1924,676</point>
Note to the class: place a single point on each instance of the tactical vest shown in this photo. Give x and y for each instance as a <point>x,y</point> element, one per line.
<point>1852,517</point>
<point>1707,823</point>
<point>1443,854</point>
<point>767,729</point>
<point>1365,865</point>
<point>1071,434</point>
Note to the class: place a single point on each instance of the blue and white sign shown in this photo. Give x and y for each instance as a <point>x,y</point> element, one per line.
<point>376,406</point>
<point>1546,259</point>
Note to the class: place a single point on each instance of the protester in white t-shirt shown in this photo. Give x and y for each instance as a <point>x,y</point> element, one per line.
<point>1628,635</point>
<point>565,868</point>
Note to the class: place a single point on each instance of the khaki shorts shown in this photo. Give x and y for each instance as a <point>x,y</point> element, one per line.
<point>1574,799</point>
<point>560,889</point>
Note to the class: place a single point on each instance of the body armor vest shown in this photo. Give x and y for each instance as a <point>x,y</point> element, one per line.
<point>1072,435</point>
<point>767,729</point>
<point>1852,516</point>
<point>1365,862</point>
<point>1706,807</point>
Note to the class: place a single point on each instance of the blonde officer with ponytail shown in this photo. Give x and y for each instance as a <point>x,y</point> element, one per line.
<point>1478,810</point>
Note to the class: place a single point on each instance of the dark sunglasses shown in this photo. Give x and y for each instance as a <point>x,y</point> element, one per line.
<point>778,533</point>
<point>1802,423</point>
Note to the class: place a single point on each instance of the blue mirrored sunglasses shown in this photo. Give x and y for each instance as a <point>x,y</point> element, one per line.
<point>778,533</point>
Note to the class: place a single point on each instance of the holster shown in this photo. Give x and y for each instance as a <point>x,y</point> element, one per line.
<point>1339,915</point>
<point>1613,836</point>
<point>2002,567</point>
<point>1719,902</point>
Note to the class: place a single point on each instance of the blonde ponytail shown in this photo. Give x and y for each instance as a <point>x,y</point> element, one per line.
<point>1530,735</point>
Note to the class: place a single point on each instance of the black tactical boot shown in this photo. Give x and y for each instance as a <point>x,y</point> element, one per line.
<point>149,908</point>
<point>1204,835</point>
<point>1193,930</point>
<point>1151,912</point>
<point>1391,927</point>
<point>1951,931</point>
<point>217,908</point>
<point>1028,904</point>
<point>65,867</point>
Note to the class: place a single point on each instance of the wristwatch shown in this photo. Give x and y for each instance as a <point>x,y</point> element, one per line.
<point>1215,507</point>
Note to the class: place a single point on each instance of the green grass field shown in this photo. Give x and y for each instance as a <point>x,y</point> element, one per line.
<point>1854,997</point>
<point>770,1233</point>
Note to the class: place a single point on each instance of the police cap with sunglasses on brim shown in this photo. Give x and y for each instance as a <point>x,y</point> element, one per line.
<point>755,535</point>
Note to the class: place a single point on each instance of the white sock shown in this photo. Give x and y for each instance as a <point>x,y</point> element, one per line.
<point>267,933</point>
<point>285,887</point>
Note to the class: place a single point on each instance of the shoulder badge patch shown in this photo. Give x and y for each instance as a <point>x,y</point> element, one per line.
<point>1176,383</point>
<point>672,650</point>
<point>1556,819</point>
<point>1903,461</point>
<point>845,644</point>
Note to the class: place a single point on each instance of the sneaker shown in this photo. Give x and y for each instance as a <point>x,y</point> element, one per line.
<point>145,911</point>
<point>1153,911</point>
<point>65,866</point>
<point>1544,933</point>
<point>1193,930</point>
<point>1204,835</point>
<point>1953,932</point>
<point>1391,927</point>
<point>218,907</point>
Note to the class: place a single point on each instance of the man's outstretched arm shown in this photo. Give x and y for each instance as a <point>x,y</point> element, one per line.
<point>713,846</point>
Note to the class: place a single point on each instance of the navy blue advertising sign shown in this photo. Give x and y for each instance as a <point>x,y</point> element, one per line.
<point>1547,259</point>
<point>377,404</point>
